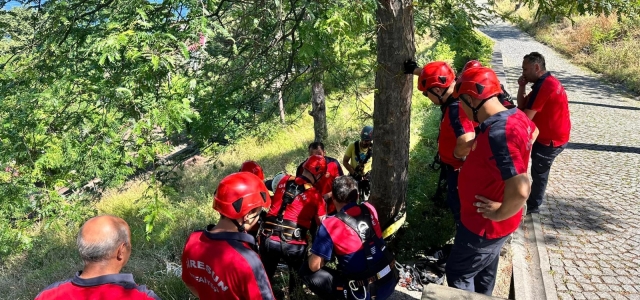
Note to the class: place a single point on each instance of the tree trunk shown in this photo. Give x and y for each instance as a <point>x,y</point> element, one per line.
<point>280,103</point>
<point>392,108</point>
<point>319,112</point>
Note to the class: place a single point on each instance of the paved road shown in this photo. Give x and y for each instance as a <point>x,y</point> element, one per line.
<point>591,218</point>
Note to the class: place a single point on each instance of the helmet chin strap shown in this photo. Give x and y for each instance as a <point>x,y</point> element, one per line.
<point>438,96</point>
<point>474,109</point>
<point>239,226</point>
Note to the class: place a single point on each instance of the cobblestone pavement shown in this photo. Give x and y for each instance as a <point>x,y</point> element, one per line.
<point>590,219</point>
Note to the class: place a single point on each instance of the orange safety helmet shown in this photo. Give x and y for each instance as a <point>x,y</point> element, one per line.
<point>436,74</point>
<point>479,83</point>
<point>471,64</point>
<point>252,167</point>
<point>239,193</point>
<point>315,164</point>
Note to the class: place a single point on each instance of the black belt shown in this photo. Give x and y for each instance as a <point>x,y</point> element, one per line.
<point>380,277</point>
<point>286,229</point>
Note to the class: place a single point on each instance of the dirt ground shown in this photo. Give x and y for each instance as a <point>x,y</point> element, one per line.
<point>503,282</point>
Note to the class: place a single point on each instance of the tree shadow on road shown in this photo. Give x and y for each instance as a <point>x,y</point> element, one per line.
<point>605,148</point>
<point>577,217</point>
<point>600,93</point>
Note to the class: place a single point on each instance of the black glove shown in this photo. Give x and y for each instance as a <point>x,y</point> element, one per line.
<point>409,66</point>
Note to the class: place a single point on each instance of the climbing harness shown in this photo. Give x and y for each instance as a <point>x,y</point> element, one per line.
<point>277,225</point>
<point>377,272</point>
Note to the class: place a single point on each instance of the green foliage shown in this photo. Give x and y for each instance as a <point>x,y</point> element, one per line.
<point>453,23</point>
<point>557,9</point>
<point>421,211</point>
<point>90,93</point>
<point>604,35</point>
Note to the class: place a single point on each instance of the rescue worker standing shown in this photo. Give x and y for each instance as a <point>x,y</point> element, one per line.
<point>220,262</point>
<point>358,157</point>
<point>366,268</point>
<point>456,133</point>
<point>504,97</point>
<point>296,204</point>
<point>493,184</point>
<point>548,107</point>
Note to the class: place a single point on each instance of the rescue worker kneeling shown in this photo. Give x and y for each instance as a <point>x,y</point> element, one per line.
<point>366,268</point>
<point>295,205</point>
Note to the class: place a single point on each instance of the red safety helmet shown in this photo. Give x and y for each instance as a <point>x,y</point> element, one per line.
<point>315,164</point>
<point>240,193</point>
<point>480,83</point>
<point>436,74</point>
<point>471,64</point>
<point>252,167</point>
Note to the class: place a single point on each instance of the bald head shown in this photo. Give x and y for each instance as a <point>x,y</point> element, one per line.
<point>100,237</point>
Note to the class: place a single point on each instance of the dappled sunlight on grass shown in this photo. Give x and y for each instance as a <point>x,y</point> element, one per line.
<point>53,256</point>
<point>186,200</point>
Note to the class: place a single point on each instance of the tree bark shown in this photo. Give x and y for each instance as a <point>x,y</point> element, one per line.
<point>392,108</point>
<point>319,112</point>
<point>280,102</point>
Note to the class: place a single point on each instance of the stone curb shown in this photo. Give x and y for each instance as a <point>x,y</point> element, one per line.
<point>528,279</point>
<point>545,267</point>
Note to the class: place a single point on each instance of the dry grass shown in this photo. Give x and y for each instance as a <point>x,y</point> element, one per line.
<point>604,44</point>
<point>187,205</point>
<point>188,202</point>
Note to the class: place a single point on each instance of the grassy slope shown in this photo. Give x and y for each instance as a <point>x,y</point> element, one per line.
<point>603,44</point>
<point>54,257</point>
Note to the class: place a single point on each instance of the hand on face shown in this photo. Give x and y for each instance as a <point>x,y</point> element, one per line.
<point>522,81</point>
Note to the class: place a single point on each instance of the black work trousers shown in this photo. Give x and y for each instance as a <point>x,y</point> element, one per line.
<point>542,157</point>
<point>331,284</point>
<point>473,262</point>
<point>271,252</point>
<point>326,283</point>
<point>453,199</point>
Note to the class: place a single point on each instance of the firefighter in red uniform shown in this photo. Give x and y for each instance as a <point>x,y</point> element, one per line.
<point>493,184</point>
<point>254,168</point>
<point>366,268</point>
<point>220,262</point>
<point>104,244</point>
<point>296,204</point>
<point>504,97</point>
<point>456,133</point>
<point>548,107</point>
<point>334,170</point>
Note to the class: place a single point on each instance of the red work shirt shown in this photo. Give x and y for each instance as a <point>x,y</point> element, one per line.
<point>106,287</point>
<point>501,151</point>
<point>325,184</point>
<point>549,99</point>
<point>454,124</point>
<point>223,266</point>
<point>304,209</point>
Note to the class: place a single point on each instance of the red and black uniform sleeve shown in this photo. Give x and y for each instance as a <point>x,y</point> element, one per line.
<point>256,283</point>
<point>458,120</point>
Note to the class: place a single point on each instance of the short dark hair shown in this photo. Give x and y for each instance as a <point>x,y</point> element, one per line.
<point>536,58</point>
<point>345,189</point>
<point>316,145</point>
